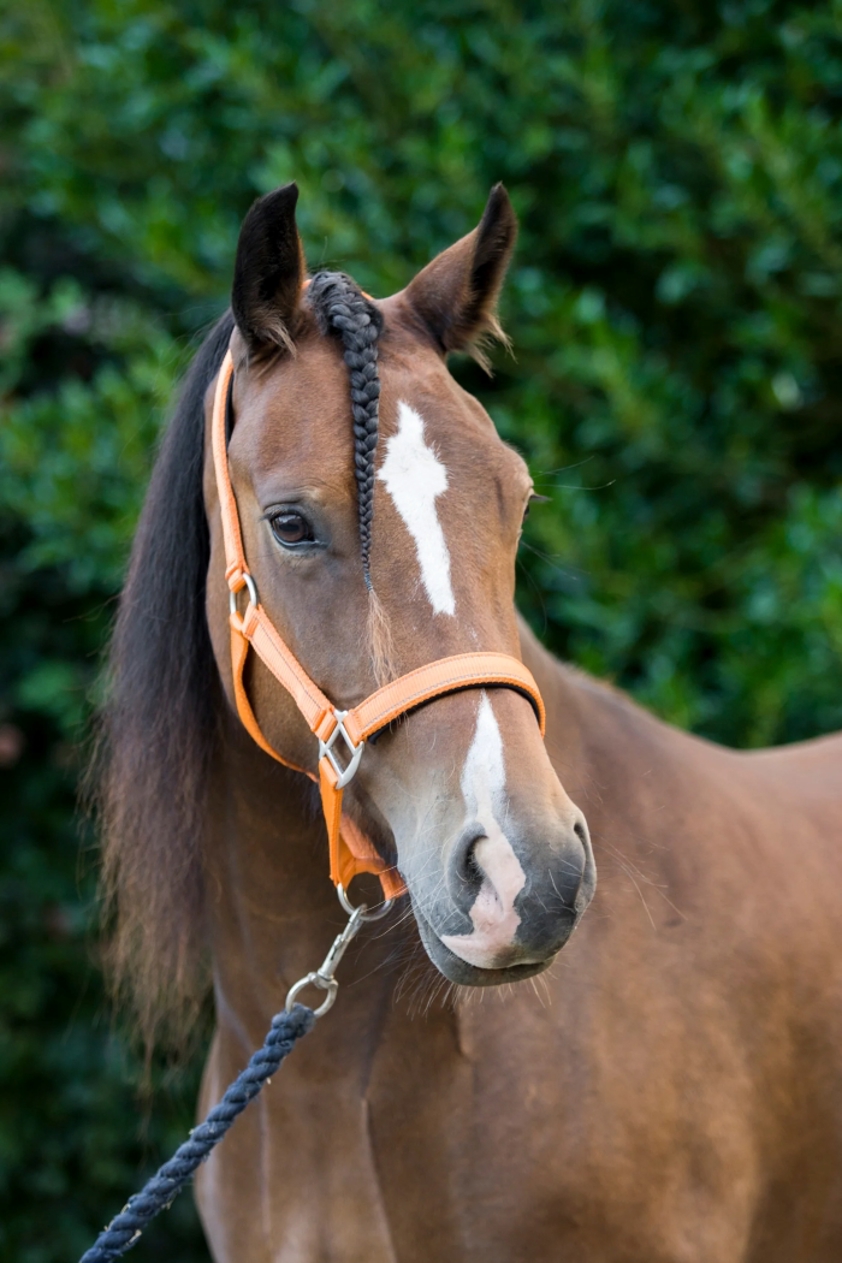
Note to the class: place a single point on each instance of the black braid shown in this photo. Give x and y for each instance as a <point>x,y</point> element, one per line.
<point>342,308</point>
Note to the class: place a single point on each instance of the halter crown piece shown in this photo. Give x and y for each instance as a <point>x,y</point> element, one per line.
<point>341,734</point>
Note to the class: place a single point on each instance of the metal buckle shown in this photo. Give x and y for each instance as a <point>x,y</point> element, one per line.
<point>347,773</point>
<point>252,590</point>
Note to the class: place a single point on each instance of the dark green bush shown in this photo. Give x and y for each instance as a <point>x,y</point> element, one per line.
<point>675,310</point>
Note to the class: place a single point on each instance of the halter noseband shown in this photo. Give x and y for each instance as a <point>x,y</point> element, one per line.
<point>351,852</point>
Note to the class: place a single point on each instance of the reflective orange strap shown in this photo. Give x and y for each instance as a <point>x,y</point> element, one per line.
<point>446,675</point>
<point>239,654</point>
<point>435,679</point>
<point>260,631</point>
<point>235,558</point>
<point>350,851</point>
<point>255,625</point>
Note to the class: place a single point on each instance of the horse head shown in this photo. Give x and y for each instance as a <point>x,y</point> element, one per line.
<point>382,538</point>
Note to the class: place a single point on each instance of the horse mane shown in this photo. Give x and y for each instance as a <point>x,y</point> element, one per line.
<point>159,728</point>
<point>342,309</point>
<point>158,731</point>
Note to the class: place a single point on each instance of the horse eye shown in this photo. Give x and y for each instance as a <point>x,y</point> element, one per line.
<point>291,528</point>
<point>534,499</point>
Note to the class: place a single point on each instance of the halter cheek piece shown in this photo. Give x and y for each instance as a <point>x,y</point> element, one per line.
<point>341,734</point>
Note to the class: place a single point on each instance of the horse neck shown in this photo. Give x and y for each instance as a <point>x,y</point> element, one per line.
<point>605,750</point>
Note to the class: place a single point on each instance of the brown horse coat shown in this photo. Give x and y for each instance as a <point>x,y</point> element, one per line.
<point>671,1093</point>
<point>669,1090</point>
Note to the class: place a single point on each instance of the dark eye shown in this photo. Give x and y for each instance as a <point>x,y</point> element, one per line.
<point>291,528</point>
<point>534,499</point>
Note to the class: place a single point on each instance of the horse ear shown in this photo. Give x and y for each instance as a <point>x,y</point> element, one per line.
<point>456,295</point>
<point>268,272</point>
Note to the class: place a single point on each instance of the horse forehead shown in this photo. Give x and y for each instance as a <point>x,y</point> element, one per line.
<point>296,413</point>
<point>448,440</point>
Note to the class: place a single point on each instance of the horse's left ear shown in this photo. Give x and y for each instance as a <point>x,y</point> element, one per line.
<point>456,295</point>
<point>269,272</point>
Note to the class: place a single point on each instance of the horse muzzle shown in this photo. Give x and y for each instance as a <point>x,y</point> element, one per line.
<point>507,905</point>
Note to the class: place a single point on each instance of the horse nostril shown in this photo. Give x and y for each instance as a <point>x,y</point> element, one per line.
<point>579,830</point>
<point>465,874</point>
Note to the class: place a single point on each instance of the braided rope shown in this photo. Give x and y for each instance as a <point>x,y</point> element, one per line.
<point>124,1230</point>
<point>345,310</point>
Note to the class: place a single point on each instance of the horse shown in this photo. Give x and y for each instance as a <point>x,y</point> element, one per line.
<point>670,1090</point>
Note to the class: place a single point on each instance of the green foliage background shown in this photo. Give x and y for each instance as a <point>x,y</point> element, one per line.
<point>675,309</point>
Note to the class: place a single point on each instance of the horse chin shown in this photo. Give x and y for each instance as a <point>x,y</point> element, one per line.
<point>459,971</point>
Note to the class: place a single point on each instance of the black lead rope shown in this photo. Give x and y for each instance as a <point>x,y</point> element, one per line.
<point>159,1192</point>
<point>287,1028</point>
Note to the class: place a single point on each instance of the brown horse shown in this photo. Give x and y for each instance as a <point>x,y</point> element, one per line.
<point>671,1090</point>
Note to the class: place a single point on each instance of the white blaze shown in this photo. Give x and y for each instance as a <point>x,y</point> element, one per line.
<point>483,788</point>
<point>414,477</point>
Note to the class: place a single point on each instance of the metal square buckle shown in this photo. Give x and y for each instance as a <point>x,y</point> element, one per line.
<point>346,774</point>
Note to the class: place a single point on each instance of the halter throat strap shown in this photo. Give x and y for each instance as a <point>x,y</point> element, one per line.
<point>341,734</point>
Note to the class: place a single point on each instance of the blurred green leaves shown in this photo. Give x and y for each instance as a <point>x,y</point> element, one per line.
<point>675,311</point>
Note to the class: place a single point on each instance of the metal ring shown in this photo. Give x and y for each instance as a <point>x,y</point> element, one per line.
<point>252,591</point>
<point>313,980</point>
<point>365,915</point>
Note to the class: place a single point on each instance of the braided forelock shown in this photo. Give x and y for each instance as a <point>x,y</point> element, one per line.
<point>342,308</point>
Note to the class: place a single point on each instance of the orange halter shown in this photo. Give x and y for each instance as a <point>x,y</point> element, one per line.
<point>351,852</point>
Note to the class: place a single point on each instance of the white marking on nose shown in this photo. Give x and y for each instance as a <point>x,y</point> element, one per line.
<point>414,477</point>
<point>483,787</point>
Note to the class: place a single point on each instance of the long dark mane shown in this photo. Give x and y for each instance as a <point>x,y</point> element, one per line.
<point>159,729</point>
<point>160,725</point>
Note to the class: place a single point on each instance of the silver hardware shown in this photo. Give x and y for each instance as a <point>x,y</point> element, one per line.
<point>252,590</point>
<point>385,907</point>
<point>314,980</point>
<point>323,976</point>
<point>344,774</point>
